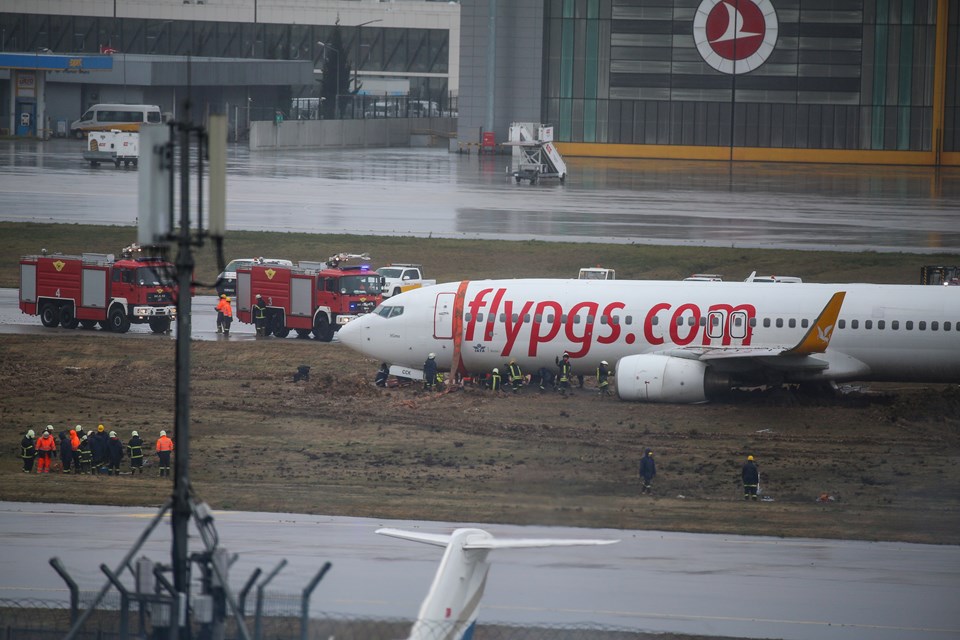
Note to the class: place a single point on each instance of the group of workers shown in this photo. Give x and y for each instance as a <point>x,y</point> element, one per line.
<point>511,378</point>
<point>224,311</point>
<point>82,452</point>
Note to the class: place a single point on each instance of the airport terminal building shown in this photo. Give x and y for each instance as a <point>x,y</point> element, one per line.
<point>865,81</point>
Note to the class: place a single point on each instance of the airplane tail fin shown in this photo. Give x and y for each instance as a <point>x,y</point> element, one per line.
<point>818,336</point>
<point>449,612</point>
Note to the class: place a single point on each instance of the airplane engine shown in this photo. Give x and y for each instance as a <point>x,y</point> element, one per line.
<point>656,378</point>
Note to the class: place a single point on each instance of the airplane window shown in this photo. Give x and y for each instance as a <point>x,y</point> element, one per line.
<point>922,325</point>
<point>563,318</point>
<point>397,311</point>
<point>467,316</point>
<point>590,319</point>
<point>738,321</point>
<point>909,325</point>
<point>616,319</point>
<point>538,317</point>
<point>779,323</point>
<point>514,317</point>
<point>881,324</point>
<point>753,322</point>
<point>550,319</point>
<point>655,320</point>
<point>792,323</point>
<point>842,324</point>
<point>766,322</point>
<point>526,317</point>
<point>868,324</point>
<point>503,317</point>
<point>934,326</point>
<point>479,317</point>
<point>854,324</point>
<point>703,322</point>
<point>804,323</point>
<point>382,311</point>
<point>603,319</point>
<point>946,326</point>
<point>576,319</point>
<point>629,319</point>
<point>895,325</point>
<point>691,321</point>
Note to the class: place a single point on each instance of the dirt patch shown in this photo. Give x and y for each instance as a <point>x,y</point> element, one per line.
<point>337,445</point>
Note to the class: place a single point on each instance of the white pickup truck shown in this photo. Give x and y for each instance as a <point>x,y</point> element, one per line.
<point>398,278</point>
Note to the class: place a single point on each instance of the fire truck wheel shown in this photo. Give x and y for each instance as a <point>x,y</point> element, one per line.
<point>322,330</point>
<point>49,315</point>
<point>88,324</point>
<point>119,322</point>
<point>160,325</point>
<point>303,333</point>
<point>67,319</point>
<point>281,332</point>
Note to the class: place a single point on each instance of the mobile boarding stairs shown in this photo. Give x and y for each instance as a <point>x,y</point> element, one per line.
<point>535,157</point>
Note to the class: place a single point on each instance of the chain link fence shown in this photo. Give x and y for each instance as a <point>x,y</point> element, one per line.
<point>32,619</point>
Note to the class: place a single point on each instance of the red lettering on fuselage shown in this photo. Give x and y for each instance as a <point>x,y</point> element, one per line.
<point>684,323</point>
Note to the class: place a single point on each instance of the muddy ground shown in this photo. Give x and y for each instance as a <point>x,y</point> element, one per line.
<point>888,459</point>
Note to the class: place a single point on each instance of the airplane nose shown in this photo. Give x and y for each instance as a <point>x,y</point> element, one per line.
<point>351,334</point>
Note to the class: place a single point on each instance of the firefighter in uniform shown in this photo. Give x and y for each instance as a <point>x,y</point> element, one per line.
<point>383,374</point>
<point>224,314</point>
<point>603,384</point>
<point>28,451</point>
<point>430,372</point>
<point>260,316</point>
<point>564,371</point>
<point>648,469</point>
<point>114,454</point>
<point>86,454</point>
<point>751,479</point>
<point>164,449</point>
<point>66,452</point>
<point>496,382</point>
<point>135,447</point>
<point>515,375</point>
<point>46,447</point>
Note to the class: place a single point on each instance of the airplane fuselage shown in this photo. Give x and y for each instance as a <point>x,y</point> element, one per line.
<point>744,330</point>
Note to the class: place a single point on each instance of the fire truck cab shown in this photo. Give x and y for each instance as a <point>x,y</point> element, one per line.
<point>94,288</point>
<point>312,297</point>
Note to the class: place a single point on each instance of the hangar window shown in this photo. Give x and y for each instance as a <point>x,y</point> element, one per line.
<point>868,324</point>
<point>922,325</point>
<point>909,325</point>
<point>895,325</point>
<point>854,324</point>
<point>779,323</point>
<point>792,323</point>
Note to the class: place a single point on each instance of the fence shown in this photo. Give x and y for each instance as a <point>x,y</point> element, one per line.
<point>33,619</point>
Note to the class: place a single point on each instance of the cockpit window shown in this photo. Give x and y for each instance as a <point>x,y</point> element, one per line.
<point>389,311</point>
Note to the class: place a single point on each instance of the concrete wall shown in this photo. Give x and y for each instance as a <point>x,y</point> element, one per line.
<point>339,134</point>
<point>519,67</point>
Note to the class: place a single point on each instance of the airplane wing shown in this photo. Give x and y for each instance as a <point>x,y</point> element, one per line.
<point>485,541</point>
<point>436,539</point>
<point>800,356</point>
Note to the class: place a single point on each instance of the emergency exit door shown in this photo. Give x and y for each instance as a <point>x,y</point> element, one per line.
<point>443,316</point>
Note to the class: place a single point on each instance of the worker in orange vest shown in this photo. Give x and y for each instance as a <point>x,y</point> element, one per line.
<point>75,447</point>
<point>224,314</point>
<point>164,449</point>
<point>46,446</point>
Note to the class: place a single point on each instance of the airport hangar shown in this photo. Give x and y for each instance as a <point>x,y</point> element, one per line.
<point>864,81</point>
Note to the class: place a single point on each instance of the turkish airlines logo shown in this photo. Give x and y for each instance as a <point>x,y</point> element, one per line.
<point>735,36</point>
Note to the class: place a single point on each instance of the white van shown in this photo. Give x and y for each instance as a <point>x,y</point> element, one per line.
<point>121,117</point>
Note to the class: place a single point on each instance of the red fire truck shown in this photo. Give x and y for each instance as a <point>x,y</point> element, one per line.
<point>93,288</point>
<point>313,296</point>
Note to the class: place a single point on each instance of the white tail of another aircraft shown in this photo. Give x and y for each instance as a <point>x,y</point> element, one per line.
<point>449,612</point>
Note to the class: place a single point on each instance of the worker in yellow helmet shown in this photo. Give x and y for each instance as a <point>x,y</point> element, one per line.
<point>751,479</point>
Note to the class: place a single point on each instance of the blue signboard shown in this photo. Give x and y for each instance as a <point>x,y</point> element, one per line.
<point>56,62</point>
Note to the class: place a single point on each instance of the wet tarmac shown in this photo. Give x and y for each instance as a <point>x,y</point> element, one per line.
<point>422,192</point>
<point>744,586</point>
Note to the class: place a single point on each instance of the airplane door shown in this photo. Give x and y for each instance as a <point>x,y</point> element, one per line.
<point>443,316</point>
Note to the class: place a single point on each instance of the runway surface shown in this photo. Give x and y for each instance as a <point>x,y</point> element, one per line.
<point>652,581</point>
<point>423,192</point>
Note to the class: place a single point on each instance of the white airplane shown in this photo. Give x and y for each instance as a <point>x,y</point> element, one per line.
<point>673,341</point>
<point>449,612</point>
